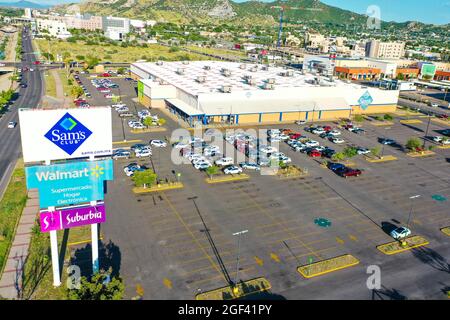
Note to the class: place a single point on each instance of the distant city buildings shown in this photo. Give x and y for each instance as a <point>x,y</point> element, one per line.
<point>55,28</point>
<point>115,28</point>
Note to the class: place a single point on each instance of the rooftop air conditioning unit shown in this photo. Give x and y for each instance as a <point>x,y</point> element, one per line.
<point>201,79</point>
<point>271,80</point>
<point>269,86</point>
<point>226,89</point>
<point>251,82</point>
<point>243,66</point>
<point>185,62</point>
<point>226,72</point>
<point>265,68</point>
<point>180,71</point>
<point>289,73</point>
<point>159,63</point>
<point>207,67</point>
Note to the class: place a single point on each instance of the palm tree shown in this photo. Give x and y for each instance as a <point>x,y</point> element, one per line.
<point>213,170</point>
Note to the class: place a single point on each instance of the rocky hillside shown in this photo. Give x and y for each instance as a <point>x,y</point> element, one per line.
<point>216,11</point>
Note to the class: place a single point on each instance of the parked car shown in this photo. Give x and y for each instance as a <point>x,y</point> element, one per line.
<point>202,165</point>
<point>131,168</point>
<point>224,161</point>
<point>334,166</point>
<point>120,154</point>
<point>400,233</point>
<point>248,165</point>
<point>143,153</point>
<point>314,153</point>
<point>362,150</point>
<point>386,141</point>
<point>312,143</point>
<point>158,143</point>
<point>348,172</point>
<point>232,170</point>
<point>328,152</point>
<point>337,140</point>
<point>300,122</point>
<point>137,146</point>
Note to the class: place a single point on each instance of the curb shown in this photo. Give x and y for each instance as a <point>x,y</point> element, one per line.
<point>302,268</point>
<point>241,176</point>
<point>426,242</point>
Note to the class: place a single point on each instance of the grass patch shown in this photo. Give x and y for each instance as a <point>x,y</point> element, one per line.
<point>50,84</point>
<point>411,121</point>
<point>397,247</point>
<point>291,171</point>
<point>147,130</point>
<point>242,289</point>
<point>227,178</point>
<point>327,266</point>
<point>154,52</point>
<point>374,159</point>
<point>159,187</point>
<point>11,207</point>
<point>425,153</point>
<point>446,231</point>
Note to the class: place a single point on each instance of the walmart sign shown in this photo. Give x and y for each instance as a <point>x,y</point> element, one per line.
<point>69,183</point>
<point>365,100</point>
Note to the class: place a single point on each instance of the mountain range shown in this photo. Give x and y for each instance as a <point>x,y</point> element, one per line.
<point>24,4</point>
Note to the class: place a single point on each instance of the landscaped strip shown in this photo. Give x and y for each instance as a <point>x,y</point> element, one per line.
<point>291,172</point>
<point>381,159</point>
<point>382,123</point>
<point>159,187</point>
<point>327,266</point>
<point>242,289</point>
<point>228,178</point>
<point>446,231</point>
<point>127,141</point>
<point>444,147</point>
<point>441,121</point>
<point>149,130</point>
<point>397,247</point>
<point>426,153</point>
<point>411,121</point>
<point>11,206</point>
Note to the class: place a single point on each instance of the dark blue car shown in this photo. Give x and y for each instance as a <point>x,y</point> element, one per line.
<point>336,166</point>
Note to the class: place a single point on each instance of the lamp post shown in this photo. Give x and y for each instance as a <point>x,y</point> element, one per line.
<point>238,253</point>
<point>411,208</point>
<point>426,131</point>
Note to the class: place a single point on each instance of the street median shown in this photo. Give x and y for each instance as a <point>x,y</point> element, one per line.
<point>227,178</point>
<point>159,187</point>
<point>418,154</point>
<point>395,247</point>
<point>380,159</point>
<point>327,266</point>
<point>446,231</point>
<point>242,289</point>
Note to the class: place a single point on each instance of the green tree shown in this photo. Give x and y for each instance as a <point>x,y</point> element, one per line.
<point>350,152</point>
<point>388,117</point>
<point>145,178</point>
<point>121,70</point>
<point>375,151</point>
<point>211,171</point>
<point>76,91</point>
<point>413,143</point>
<point>96,288</point>
<point>147,122</point>
<point>161,122</point>
<point>338,156</point>
<point>358,118</point>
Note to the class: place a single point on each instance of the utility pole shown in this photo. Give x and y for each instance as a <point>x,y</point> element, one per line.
<point>411,208</point>
<point>238,253</point>
<point>426,132</point>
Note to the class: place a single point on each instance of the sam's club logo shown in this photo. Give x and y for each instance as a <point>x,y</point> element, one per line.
<point>68,134</point>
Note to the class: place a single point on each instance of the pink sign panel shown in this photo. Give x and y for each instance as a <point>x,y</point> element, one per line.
<point>70,218</point>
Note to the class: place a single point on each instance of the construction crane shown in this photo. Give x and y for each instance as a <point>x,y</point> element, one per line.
<point>282,9</point>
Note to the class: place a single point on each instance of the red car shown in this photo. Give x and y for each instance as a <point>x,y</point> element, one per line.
<point>327,128</point>
<point>442,116</point>
<point>348,126</point>
<point>348,172</point>
<point>36,62</point>
<point>295,135</point>
<point>314,153</point>
<point>105,74</point>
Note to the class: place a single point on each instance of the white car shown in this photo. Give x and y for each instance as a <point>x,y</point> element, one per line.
<point>400,233</point>
<point>312,144</point>
<point>11,125</point>
<point>193,156</point>
<point>158,143</point>
<point>143,153</point>
<point>434,105</point>
<point>318,131</point>
<point>224,161</point>
<point>446,141</point>
<point>437,139</point>
<point>118,105</point>
<point>268,149</point>
<point>334,132</point>
<point>300,122</point>
<point>198,160</point>
<point>249,165</point>
<point>108,96</point>
<point>232,170</point>
<point>180,145</point>
<point>363,151</point>
<point>201,165</point>
<point>337,140</point>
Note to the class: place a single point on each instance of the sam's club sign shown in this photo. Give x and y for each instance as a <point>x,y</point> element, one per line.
<point>69,183</point>
<point>65,133</point>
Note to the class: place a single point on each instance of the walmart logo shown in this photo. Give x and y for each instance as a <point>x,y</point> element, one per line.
<point>68,134</point>
<point>97,171</point>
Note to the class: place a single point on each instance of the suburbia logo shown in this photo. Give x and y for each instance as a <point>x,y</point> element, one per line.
<point>68,134</point>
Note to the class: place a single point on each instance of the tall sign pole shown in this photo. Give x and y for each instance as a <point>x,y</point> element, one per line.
<point>55,255</point>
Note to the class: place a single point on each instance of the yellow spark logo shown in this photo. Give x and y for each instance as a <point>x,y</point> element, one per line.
<point>97,171</point>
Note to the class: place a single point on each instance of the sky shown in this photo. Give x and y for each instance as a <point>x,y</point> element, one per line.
<point>428,11</point>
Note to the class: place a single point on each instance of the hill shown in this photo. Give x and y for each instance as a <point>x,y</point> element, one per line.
<point>217,11</point>
<point>24,4</point>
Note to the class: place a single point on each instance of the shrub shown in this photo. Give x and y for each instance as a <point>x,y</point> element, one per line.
<point>145,178</point>
<point>358,118</point>
<point>413,144</point>
<point>388,117</point>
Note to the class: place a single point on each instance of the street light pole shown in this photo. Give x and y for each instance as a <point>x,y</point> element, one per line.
<point>238,253</point>
<point>411,208</point>
<point>426,132</point>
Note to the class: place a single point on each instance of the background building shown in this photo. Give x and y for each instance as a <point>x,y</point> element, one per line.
<point>54,28</point>
<point>389,50</point>
<point>115,28</point>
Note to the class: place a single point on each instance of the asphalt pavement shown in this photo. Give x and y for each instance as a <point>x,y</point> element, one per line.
<point>29,97</point>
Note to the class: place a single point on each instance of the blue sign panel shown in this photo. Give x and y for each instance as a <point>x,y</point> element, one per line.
<point>68,133</point>
<point>365,100</point>
<point>69,183</point>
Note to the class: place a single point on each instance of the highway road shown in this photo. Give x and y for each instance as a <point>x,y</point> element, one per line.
<point>29,97</point>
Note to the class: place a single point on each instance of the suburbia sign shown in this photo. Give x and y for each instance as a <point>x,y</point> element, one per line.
<point>70,218</point>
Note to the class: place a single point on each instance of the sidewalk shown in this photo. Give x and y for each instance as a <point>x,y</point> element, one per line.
<point>12,275</point>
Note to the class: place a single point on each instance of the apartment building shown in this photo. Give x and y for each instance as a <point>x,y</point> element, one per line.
<point>388,50</point>
<point>55,28</point>
<point>115,28</point>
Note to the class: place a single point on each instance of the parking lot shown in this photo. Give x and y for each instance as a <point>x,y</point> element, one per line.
<point>180,242</point>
